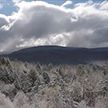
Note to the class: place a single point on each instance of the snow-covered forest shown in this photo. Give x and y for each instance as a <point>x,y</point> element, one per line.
<point>25,85</point>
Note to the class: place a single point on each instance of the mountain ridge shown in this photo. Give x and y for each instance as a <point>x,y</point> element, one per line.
<point>60,55</point>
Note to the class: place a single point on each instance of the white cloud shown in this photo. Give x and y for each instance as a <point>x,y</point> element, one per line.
<point>104,5</point>
<point>17,1</point>
<point>67,3</point>
<point>40,23</point>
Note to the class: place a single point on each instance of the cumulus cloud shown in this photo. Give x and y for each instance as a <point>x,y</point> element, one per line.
<point>3,20</point>
<point>67,3</point>
<point>40,23</point>
<point>104,5</point>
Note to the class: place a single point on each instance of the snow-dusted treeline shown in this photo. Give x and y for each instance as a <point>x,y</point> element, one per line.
<point>25,85</point>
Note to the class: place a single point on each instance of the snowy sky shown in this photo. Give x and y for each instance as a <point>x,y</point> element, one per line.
<point>76,23</point>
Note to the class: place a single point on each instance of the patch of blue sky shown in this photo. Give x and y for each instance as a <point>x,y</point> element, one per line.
<point>9,7</point>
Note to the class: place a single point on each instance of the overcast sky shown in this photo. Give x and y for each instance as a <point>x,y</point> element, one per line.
<point>76,23</point>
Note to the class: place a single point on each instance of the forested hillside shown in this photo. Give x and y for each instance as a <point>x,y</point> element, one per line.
<point>60,55</point>
<point>25,85</point>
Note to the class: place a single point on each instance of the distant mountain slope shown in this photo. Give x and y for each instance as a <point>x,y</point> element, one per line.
<point>60,55</point>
